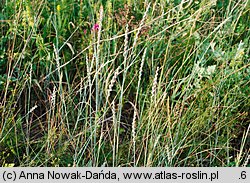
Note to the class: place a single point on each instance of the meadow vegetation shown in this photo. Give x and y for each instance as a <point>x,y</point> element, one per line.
<point>124,83</point>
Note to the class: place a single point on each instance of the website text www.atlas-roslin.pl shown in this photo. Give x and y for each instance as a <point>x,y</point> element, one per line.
<point>163,175</point>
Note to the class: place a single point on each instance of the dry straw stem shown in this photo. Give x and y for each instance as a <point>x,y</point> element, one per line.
<point>154,85</point>
<point>135,107</point>
<point>134,134</point>
<point>243,143</point>
<point>89,70</point>
<point>115,132</point>
<point>32,109</point>
<point>151,153</point>
<point>246,162</point>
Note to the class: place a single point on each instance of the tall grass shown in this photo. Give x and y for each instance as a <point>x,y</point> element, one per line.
<point>124,83</point>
